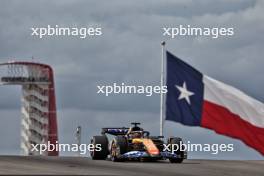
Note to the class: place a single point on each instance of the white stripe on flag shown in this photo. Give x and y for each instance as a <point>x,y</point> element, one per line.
<point>249,109</point>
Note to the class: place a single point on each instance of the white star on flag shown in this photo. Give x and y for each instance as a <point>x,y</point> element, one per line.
<point>184,93</point>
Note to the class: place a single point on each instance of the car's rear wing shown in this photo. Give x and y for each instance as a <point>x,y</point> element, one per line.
<point>115,131</point>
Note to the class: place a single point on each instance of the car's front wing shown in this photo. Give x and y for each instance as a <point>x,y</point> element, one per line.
<point>143,154</point>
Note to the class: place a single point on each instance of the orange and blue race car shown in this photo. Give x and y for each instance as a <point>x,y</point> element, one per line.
<point>134,143</point>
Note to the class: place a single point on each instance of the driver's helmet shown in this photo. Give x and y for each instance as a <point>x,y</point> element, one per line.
<point>136,134</point>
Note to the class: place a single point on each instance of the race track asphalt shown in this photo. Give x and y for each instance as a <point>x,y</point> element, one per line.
<point>36,165</point>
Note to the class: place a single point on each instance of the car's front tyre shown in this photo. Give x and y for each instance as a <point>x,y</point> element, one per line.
<point>118,147</point>
<point>176,141</point>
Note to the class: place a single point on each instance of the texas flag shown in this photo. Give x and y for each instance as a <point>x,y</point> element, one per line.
<point>195,99</point>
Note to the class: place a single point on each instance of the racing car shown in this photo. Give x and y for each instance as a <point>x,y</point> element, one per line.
<point>135,143</point>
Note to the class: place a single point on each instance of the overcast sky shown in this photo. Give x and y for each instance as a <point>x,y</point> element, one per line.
<point>129,52</point>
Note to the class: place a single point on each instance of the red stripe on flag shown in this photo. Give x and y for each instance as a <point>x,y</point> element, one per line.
<point>222,121</point>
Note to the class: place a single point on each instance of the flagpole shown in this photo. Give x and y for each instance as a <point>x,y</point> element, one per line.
<point>162,84</point>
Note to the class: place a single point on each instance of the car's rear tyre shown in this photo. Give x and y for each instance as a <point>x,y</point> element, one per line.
<point>177,141</point>
<point>102,154</point>
<point>118,147</point>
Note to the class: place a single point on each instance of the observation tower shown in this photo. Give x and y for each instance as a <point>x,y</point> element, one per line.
<point>38,103</point>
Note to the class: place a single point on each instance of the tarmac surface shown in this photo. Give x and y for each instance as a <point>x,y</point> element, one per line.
<point>36,165</point>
